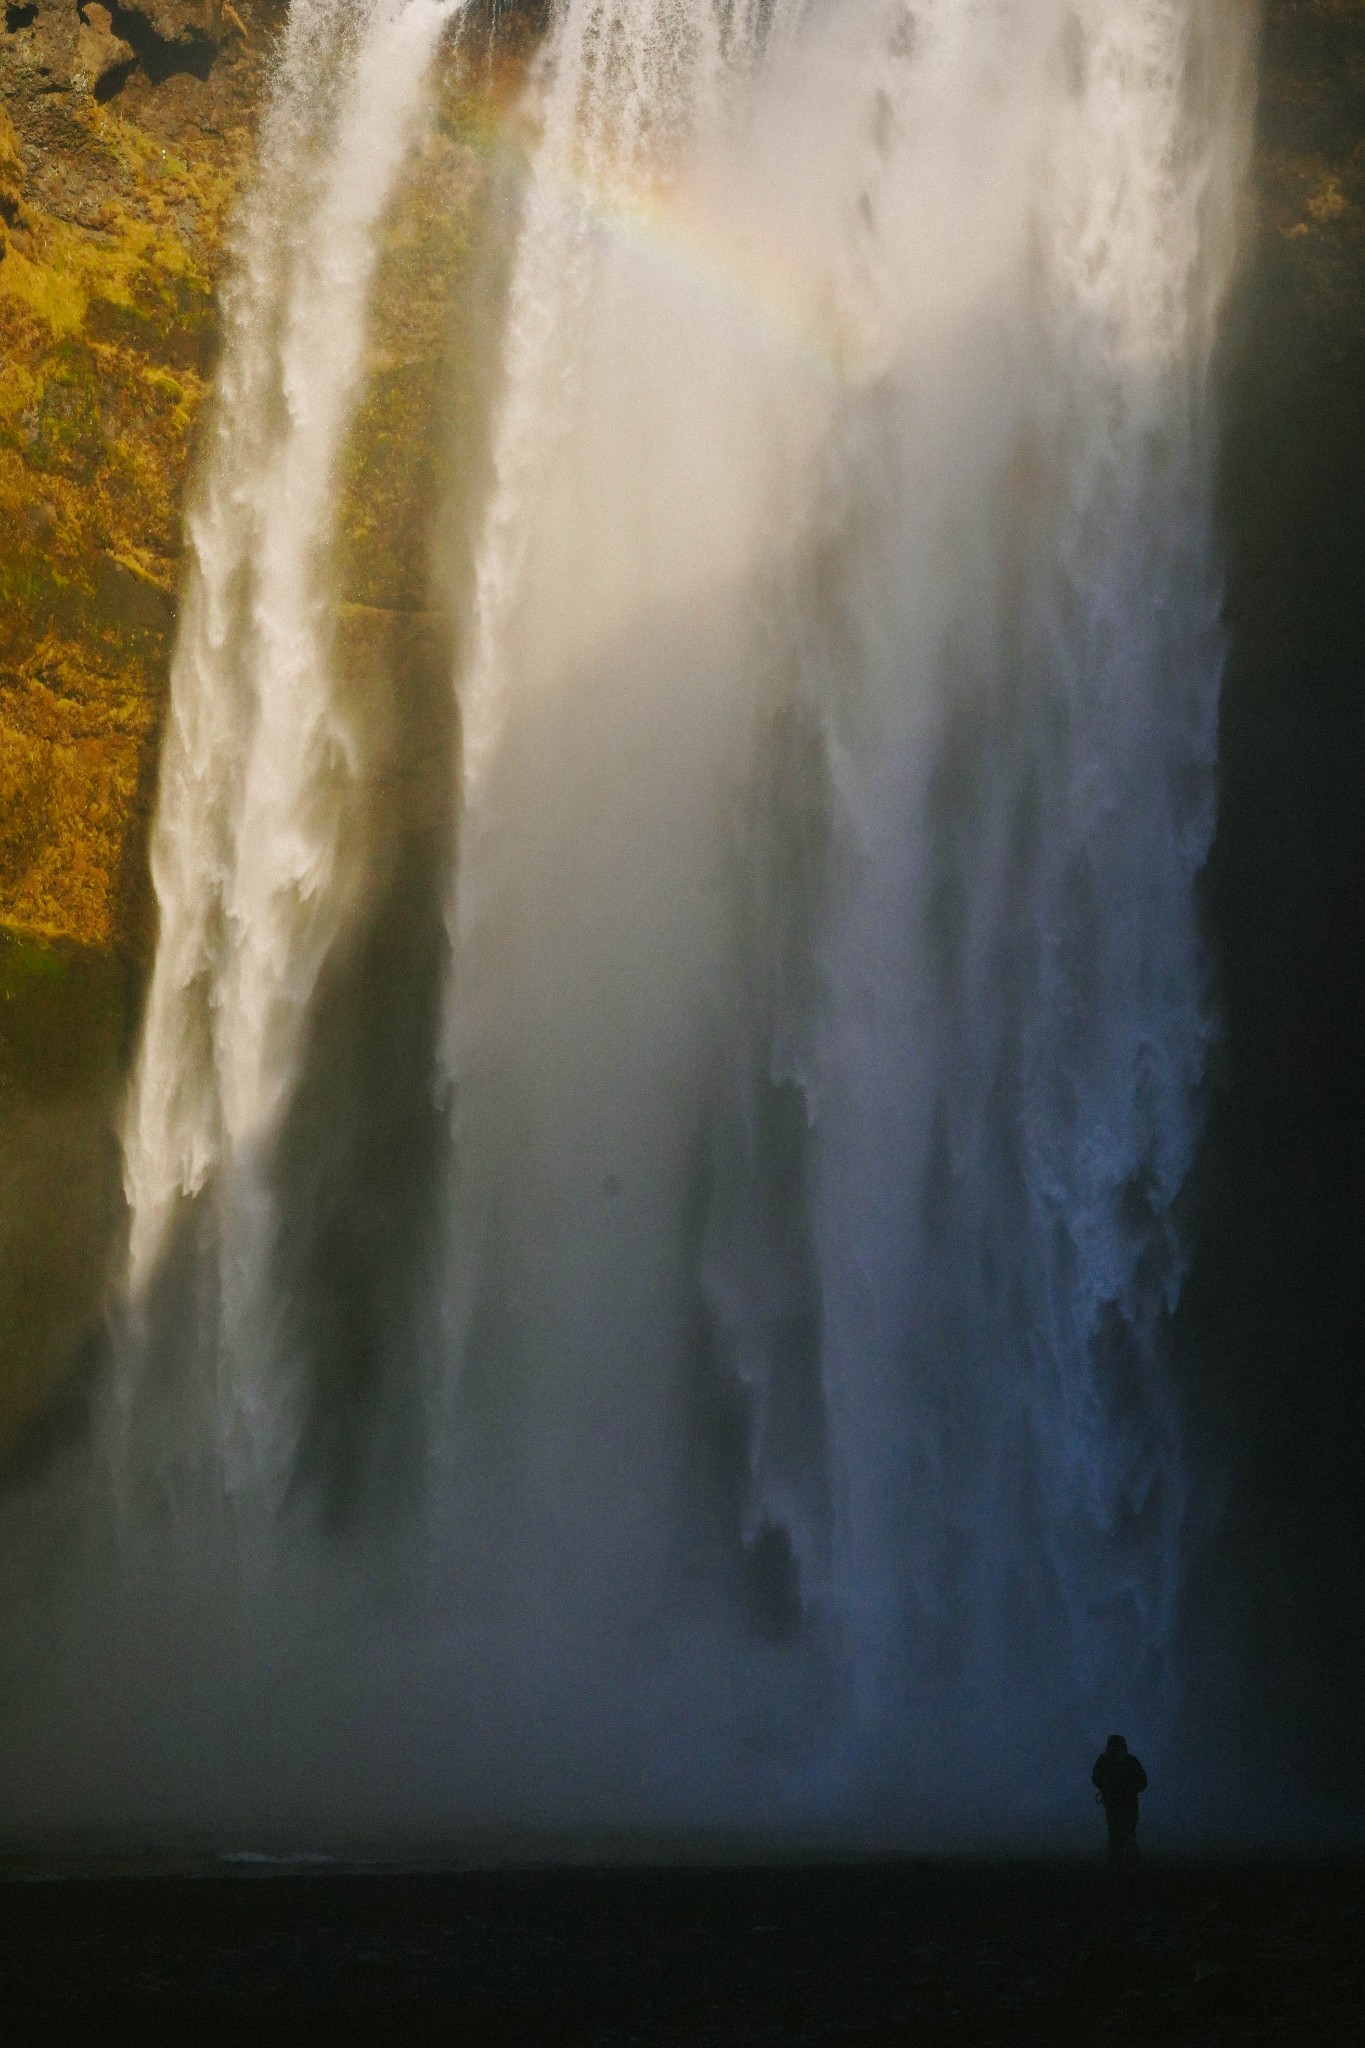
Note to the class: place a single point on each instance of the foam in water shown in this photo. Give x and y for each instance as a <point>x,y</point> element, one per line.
<point>825,1016</point>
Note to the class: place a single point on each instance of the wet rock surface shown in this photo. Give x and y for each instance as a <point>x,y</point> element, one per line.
<point>118,172</point>
<point>118,169</point>
<point>118,182</point>
<point>1048,1954</point>
<point>1275,1305</point>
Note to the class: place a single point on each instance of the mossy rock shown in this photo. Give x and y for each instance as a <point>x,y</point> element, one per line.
<point>65,1029</point>
<point>112,220</point>
<point>64,1015</point>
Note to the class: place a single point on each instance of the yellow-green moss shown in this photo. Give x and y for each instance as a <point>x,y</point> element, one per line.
<point>105,335</point>
<point>107,331</point>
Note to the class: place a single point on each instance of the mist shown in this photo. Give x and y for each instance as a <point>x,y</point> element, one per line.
<point>655,1161</point>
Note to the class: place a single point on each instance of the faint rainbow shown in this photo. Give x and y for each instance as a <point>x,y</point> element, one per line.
<point>754,287</point>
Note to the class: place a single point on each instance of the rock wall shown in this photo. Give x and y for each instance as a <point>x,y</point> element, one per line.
<point>124,135</point>
<point>1277,1303</point>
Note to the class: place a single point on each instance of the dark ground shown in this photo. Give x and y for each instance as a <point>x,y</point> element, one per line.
<point>922,1952</point>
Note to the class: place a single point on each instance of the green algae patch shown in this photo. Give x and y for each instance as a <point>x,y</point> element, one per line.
<point>25,962</point>
<point>63,1015</point>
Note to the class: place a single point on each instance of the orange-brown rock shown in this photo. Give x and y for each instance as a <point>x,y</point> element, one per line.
<point>121,149</point>
<point>117,173</point>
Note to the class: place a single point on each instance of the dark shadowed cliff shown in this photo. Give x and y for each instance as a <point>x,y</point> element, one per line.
<point>1277,1304</point>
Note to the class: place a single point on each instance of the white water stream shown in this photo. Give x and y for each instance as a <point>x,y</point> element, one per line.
<point>248,855</point>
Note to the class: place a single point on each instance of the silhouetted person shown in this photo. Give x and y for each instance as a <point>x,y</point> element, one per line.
<point>1119,1778</point>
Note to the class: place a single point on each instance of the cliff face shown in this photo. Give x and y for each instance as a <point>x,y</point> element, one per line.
<point>125,133</point>
<point>1310,172</point>
<point>1277,1302</point>
<point>123,136</point>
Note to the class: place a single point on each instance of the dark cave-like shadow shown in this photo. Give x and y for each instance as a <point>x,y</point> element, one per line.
<point>360,1157</point>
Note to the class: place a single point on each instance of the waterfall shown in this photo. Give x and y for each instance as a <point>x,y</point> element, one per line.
<point>826,1012</point>
<point>249,855</point>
